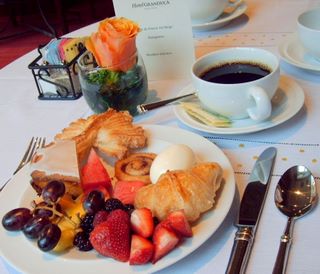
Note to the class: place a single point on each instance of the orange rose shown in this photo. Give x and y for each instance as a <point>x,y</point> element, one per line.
<point>114,45</point>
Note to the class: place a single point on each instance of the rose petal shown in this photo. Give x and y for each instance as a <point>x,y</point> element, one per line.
<point>114,45</point>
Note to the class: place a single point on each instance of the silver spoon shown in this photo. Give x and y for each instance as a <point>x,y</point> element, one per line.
<point>295,196</point>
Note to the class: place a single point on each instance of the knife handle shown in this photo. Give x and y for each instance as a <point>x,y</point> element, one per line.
<point>240,251</point>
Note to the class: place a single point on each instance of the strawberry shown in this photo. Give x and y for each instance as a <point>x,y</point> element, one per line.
<point>179,223</point>
<point>142,222</point>
<point>100,217</point>
<point>94,175</point>
<point>111,238</point>
<point>141,250</point>
<point>164,240</point>
<point>126,191</point>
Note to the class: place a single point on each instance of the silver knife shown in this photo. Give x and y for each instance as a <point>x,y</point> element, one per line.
<point>250,210</point>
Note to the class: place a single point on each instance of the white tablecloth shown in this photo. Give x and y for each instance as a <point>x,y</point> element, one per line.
<point>264,25</point>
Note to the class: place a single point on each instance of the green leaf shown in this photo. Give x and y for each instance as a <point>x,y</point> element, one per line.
<point>99,77</point>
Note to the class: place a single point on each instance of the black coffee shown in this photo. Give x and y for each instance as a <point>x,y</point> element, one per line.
<point>233,73</point>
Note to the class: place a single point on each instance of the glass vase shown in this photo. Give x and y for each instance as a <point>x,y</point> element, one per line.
<point>105,88</point>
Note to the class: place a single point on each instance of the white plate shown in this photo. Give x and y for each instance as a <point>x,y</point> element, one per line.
<point>226,17</point>
<point>25,256</point>
<point>292,51</point>
<point>287,101</point>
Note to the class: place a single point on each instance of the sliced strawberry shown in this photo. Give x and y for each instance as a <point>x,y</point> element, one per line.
<point>94,174</point>
<point>111,238</point>
<point>141,250</point>
<point>126,191</point>
<point>164,240</point>
<point>142,222</point>
<point>179,223</point>
<point>100,217</point>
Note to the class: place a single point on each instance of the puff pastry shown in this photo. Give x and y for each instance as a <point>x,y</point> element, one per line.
<point>193,190</point>
<point>111,132</point>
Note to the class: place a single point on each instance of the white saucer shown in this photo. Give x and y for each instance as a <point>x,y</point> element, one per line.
<point>287,101</point>
<point>292,51</point>
<point>223,19</point>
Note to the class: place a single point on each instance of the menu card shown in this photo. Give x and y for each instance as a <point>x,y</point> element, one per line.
<point>165,41</point>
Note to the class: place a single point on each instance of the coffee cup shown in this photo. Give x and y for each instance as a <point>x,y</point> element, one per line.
<point>204,11</point>
<point>309,31</point>
<point>237,82</point>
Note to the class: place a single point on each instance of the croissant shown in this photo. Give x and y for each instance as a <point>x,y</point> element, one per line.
<point>111,132</point>
<point>193,190</point>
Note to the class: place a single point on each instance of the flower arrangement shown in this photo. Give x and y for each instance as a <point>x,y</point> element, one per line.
<point>112,73</point>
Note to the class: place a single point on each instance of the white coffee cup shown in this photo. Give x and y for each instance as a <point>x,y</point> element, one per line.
<point>309,31</point>
<point>204,11</point>
<point>238,100</point>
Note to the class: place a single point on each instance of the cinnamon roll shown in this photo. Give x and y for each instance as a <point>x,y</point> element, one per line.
<point>136,167</point>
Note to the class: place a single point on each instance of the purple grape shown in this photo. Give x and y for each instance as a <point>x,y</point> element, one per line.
<point>49,237</point>
<point>48,211</point>
<point>43,212</point>
<point>94,202</point>
<point>34,226</point>
<point>53,191</point>
<point>15,219</point>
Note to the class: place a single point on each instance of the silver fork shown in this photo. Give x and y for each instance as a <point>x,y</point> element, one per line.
<point>35,143</point>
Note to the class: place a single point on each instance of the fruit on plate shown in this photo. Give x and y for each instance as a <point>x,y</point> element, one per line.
<point>66,239</point>
<point>100,217</point>
<point>112,237</point>
<point>142,222</point>
<point>94,175</point>
<point>73,210</point>
<point>49,237</point>
<point>141,250</point>
<point>82,242</point>
<point>15,219</point>
<point>179,223</point>
<point>94,201</point>
<point>126,191</point>
<point>164,240</point>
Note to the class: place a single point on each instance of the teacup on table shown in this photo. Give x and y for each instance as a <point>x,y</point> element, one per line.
<point>204,11</point>
<point>309,31</point>
<point>237,82</point>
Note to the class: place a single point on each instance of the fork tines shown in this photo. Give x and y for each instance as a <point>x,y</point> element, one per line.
<point>35,143</point>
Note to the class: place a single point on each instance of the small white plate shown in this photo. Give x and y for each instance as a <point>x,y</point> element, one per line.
<point>287,101</point>
<point>292,51</point>
<point>226,17</point>
<point>24,255</point>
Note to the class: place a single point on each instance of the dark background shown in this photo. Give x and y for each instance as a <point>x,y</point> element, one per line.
<point>26,24</point>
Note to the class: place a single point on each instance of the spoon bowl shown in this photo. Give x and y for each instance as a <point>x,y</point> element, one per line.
<point>295,196</point>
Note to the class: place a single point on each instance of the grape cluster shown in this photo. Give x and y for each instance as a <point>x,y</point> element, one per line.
<point>41,223</point>
<point>37,223</point>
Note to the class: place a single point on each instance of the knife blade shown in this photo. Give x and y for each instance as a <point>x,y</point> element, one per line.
<point>250,210</point>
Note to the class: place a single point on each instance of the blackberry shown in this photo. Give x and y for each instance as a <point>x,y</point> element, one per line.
<point>113,204</point>
<point>129,208</point>
<point>82,242</point>
<point>87,223</point>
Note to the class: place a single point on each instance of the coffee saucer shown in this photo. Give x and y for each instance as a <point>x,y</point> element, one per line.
<point>292,51</point>
<point>227,16</point>
<point>287,101</point>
